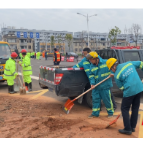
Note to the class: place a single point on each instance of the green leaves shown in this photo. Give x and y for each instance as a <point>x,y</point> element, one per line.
<point>69,38</point>
<point>113,34</point>
<point>52,41</point>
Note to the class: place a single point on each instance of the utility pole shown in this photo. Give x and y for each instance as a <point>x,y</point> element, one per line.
<point>87,18</point>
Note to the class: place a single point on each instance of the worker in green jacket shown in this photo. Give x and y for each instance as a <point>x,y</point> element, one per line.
<point>27,69</point>
<point>10,72</point>
<point>20,55</point>
<point>28,54</point>
<point>38,55</point>
<point>33,54</point>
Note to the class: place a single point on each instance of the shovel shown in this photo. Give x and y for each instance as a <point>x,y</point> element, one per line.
<point>22,88</point>
<point>113,122</point>
<point>69,104</point>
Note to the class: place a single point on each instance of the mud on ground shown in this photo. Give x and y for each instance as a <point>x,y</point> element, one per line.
<point>21,117</point>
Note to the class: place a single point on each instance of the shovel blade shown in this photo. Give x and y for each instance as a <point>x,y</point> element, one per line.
<point>22,90</point>
<point>113,122</point>
<point>68,105</point>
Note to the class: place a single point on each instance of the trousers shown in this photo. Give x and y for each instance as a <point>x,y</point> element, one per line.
<point>105,95</point>
<point>27,79</point>
<point>130,122</point>
<point>10,82</point>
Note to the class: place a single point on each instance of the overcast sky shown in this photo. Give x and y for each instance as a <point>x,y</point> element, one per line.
<point>69,20</point>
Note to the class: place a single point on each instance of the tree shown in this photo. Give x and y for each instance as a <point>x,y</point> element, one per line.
<point>135,32</point>
<point>113,34</point>
<point>59,41</point>
<point>69,38</point>
<point>52,41</point>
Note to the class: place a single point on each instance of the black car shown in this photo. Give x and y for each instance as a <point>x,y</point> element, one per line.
<point>71,54</point>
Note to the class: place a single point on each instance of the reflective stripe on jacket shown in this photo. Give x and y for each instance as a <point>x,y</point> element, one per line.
<point>10,69</point>
<point>127,78</point>
<point>84,63</point>
<point>99,73</point>
<point>57,57</point>
<point>26,65</point>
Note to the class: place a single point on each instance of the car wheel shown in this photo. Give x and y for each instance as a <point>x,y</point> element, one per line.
<point>42,86</point>
<point>88,99</point>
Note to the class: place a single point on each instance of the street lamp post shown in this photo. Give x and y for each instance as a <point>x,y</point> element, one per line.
<point>87,17</point>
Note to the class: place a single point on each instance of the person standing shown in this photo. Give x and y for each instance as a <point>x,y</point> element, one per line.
<point>128,80</point>
<point>98,72</point>
<point>28,54</point>
<point>57,57</point>
<point>46,55</point>
<point>10,72</point>
<point>27,69</point>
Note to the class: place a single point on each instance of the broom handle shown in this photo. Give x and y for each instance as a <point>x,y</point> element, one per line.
<point>17,72</point>
<point>22,75</point>
<point>91,88</point>
<point>20,81</point>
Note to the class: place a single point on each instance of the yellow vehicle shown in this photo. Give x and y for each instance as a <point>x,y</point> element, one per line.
<point>5,54</point>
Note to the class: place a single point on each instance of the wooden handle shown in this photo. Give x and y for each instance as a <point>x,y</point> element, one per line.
<point>91,88</point>
<point>17,72</point>
<point>20,81</point>
<point>22,75</point>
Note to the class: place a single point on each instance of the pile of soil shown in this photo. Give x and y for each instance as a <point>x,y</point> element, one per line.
<point>21,117</point>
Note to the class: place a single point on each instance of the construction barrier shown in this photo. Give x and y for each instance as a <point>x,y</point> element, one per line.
<point>70,59</point>
<point>62,58</point>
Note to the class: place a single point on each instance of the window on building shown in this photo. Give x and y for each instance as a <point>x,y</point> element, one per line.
<point>11,40</point>
<point>29,47</point>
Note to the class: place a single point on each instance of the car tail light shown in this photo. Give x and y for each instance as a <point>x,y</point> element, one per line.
<point>58,78</point>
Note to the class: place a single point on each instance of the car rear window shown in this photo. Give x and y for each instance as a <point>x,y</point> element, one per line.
<point>131,56</point>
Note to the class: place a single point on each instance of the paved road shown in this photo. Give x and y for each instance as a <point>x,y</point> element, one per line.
<point>35,67</point>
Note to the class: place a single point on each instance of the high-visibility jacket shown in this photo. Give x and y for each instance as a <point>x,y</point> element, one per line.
<point>28,54</point>
<point>10,69</point>
<point>26,66</point>
<point>57,57</point>
<point>33,53</point>
<point>20,55</point>
<point>127,78</point>
<point>98,73</point>
<point>84,63</point>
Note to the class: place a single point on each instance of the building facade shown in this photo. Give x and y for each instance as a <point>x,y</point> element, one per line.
<point>101,40</point>
<point>39,40</point>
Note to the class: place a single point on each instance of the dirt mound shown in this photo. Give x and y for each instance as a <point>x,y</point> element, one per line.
<point>56,124</point>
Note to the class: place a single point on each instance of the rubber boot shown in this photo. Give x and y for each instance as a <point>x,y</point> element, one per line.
<point>9,89</point>
<point>30,86</point>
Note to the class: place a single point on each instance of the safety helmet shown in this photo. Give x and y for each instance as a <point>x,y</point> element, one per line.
<point>23,51</point>
<point>110,62</point>
<point>14,55</point>
<point>91,55</point>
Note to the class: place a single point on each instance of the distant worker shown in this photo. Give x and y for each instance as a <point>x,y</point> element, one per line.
<point>35,55</point>
<point>31,55</point>
<point>10,72</point>
<point>38,55</point>
<point>46,55</point>
<point>20,55</point>
<point>17,52</point>
<point>57,57</point>
<point>128,80</point>
<point>28,54</point>
<point>27,69</point>
<point>98,72</point>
